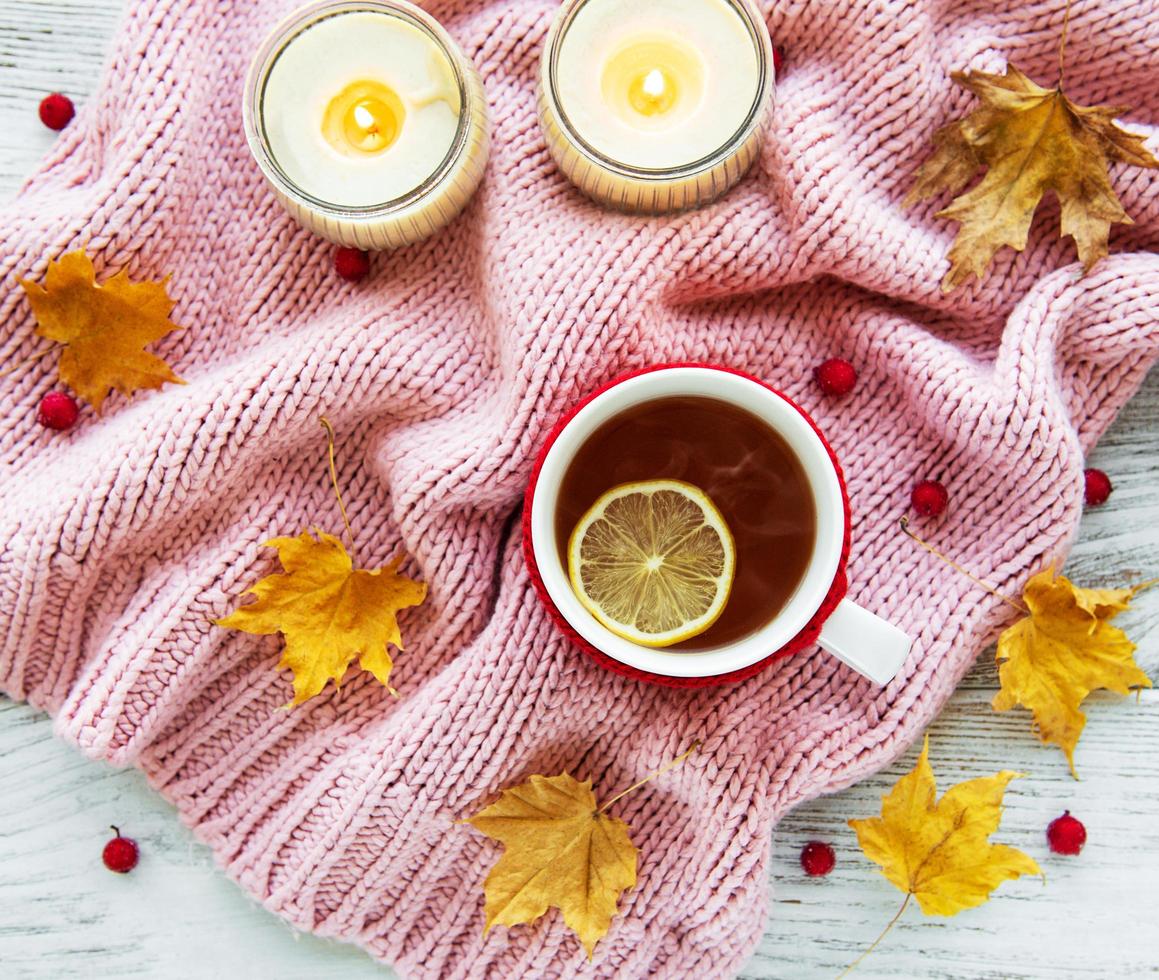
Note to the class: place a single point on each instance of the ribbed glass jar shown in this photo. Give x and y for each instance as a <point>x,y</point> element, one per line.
<point>406,219</point>
<point>655,190</point>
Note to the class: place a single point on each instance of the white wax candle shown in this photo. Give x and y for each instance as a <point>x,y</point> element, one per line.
<point>656,104</point>
<point>326,60</point>
<point>657,83</point>
<point>367,120</point>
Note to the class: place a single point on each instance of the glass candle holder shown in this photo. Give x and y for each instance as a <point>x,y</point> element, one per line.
<point>656,105</point>
<point>367,120</point>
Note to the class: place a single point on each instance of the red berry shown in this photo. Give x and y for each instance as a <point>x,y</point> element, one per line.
<point>817,859</point>
<point>929,498</point>
<point>121,854</point>
<point>1098,487</point>
<point>352,264</point>
<point>778,59</point>
<point>835,376</point>
<point>56,111</point>
<point>57,411</point>
<point>1066,834</point>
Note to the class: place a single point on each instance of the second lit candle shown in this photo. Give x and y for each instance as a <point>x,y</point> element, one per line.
<point>656,104</point>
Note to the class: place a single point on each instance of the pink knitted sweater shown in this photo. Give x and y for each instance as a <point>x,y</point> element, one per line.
<point>121,541</point>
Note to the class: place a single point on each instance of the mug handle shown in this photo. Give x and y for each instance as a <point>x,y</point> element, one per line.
<point>865,642</point>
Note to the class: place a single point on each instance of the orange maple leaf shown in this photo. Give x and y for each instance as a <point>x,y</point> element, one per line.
<point>102,329</point>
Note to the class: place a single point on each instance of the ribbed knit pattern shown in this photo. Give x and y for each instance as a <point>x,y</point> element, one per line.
<point>122,540</point>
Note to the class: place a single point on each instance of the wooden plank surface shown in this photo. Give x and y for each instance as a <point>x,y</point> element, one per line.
<point>63,915</point>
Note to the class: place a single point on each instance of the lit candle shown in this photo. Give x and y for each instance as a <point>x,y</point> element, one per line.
<point>656,105</point>
<point>367,120</point>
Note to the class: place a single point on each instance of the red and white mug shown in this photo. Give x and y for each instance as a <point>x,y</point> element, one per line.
<point>816,613</point>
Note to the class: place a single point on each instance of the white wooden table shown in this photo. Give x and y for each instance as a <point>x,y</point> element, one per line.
<point>62,914</point>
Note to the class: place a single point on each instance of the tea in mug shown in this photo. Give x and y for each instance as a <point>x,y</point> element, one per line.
<point>706,448</point>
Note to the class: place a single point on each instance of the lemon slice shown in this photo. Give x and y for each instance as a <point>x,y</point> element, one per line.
<point>653,561</point>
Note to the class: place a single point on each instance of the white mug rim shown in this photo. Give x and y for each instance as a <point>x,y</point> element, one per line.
<point>784,417</point>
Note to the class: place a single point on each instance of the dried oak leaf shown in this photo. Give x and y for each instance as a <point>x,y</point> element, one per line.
<point>1051,660</point>
<point>939,852</point>
<point>328,611</point>
<point>1030,140</point>
<point>103,329</point>
<point>561,850</point>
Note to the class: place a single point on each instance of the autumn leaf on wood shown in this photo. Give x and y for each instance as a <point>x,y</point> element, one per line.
<point>560,850</point>
<point>1030,140</point>
<point>1051,660</point>
<point>938,851</point>
<point>328,611</point>
<point>102,329</point>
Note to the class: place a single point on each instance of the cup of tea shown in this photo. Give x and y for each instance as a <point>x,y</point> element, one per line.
<point>688,524</point>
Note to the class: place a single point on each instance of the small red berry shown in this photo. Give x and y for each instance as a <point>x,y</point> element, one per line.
<point>778,59</point>
<point>1066,834</point>
<point>1098,487</point>
<point>835,376</point>
<point>57,411</point>
<point>929,498</point>
<point>56,111</point>
<point>121,854</point>
<point>352,264</point>
<point>817,858</point>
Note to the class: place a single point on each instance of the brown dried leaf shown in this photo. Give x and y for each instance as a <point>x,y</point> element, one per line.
<point>1030,140</point>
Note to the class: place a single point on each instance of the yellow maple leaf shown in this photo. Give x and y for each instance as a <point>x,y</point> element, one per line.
<point>1030,140</point>
<point>328,611</point>
<point>560,850</point>
<point>102,329</point>
<point>938,851</point>
<point>1105,603</point>
<point>1051,660</point>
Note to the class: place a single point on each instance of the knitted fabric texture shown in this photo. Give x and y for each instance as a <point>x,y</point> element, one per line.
<point>122,540</point>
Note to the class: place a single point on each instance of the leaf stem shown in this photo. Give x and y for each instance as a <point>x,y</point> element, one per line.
<point>1062,44</point>
<point>954,565</point>
<point>334,477</point>
<point>12,369</point>
<point>872,946</point>
<point>652,775</point>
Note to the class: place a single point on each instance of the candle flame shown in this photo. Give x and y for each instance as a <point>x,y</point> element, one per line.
<point>653,84</point>
<point>365,118</point>
<point>660,80</point>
